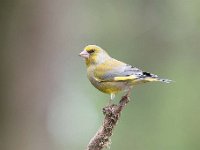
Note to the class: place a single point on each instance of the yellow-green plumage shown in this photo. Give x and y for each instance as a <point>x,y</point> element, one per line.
<point>110,75</point>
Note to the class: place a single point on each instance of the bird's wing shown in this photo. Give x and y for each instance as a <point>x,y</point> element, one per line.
<point>114,70</point>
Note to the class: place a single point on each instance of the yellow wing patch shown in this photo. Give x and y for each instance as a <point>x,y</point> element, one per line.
<point>131,77</point>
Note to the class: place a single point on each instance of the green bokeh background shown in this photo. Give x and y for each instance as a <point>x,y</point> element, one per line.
<point>46,101</point>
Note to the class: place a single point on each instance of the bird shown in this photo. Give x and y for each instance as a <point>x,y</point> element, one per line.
<point>112,76</point>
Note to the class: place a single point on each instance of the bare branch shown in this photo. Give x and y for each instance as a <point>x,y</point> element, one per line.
<point>112,114</point>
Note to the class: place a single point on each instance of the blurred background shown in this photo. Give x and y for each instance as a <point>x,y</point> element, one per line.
<point>47,102</point>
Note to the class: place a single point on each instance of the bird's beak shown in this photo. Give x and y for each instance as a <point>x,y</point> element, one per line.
<point>84,54</point>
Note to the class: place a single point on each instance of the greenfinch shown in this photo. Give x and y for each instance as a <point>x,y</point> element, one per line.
<point>112,76</point>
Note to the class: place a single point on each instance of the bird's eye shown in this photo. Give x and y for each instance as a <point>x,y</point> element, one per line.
<point>91,51</point>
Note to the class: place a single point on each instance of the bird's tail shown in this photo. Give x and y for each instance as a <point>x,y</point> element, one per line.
<point>164,80</point>
<point>149,77</point>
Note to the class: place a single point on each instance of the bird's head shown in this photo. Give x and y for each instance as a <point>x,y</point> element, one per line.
<point>94,54</point>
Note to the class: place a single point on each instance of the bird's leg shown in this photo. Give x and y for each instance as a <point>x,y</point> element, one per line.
<point>112,96</point>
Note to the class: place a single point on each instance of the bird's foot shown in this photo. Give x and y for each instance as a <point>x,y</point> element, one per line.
<point>127,96</point>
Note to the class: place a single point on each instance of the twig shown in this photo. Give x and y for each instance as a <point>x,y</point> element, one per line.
<point>102,137</point>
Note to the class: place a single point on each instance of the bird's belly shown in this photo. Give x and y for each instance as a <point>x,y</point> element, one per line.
<point>109,87</point>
